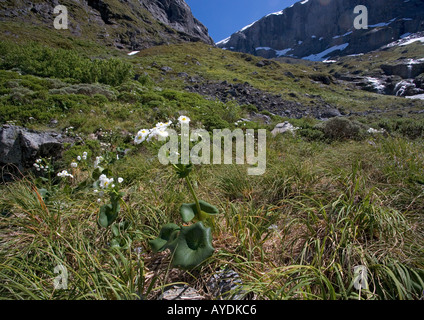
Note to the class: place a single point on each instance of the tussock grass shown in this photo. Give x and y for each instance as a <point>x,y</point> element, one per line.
<point>322,208</point>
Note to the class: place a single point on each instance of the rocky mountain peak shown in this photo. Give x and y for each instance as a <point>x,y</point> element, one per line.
<point>319,29</point>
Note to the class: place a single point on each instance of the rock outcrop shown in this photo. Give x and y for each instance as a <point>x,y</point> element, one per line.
<point>177,14</point>
<point>406,69</point>
<point>20,147</point>
<point>404,77</point>
<point>278,104</point>
<point>320,29</point>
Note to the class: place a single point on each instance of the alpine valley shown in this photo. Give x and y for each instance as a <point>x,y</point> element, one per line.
<point>83,195</point>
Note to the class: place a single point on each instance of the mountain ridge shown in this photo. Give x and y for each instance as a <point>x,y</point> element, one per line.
<point>318,29</point>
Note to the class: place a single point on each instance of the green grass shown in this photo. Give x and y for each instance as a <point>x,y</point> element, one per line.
<point>326,204</point>
<point>295,233</point>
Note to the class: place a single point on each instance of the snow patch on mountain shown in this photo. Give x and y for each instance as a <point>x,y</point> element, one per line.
<point>278,53</point>
<point>321,56</point>
<point>406,39</point>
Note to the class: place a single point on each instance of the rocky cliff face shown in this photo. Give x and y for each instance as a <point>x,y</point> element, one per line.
<point>177,14</point>
<point>319,29</point>
<point>130,24</point>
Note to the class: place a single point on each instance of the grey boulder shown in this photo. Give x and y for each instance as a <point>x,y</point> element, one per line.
<point>21,147</point>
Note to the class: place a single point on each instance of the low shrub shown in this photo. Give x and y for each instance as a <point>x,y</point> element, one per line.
<point>342,129</point>
<point>36,59</point>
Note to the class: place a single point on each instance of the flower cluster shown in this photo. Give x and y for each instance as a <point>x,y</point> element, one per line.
<point>65,174</point>
<point>372,131</point>
<point>243,121</point>
<point>83,157</point>
<point>69,130</point>
<point>158,131</point>
<point>98,161</point>
<point>105,183</point>
<point>40,165</point>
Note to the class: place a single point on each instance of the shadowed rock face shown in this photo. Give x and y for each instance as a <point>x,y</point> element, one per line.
<point>20,147</point>
<point>130,24</point>
<point>177,14</point>
<point>404,69</point>
<point>310,28</point>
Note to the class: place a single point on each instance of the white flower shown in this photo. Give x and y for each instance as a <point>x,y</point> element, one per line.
<point>158,132</point>
<point>36,165</point>
<point>64,174</point>
<point>105,181</point>
<point>144,132</point>
<point>38,161</point>
<point>99,200</point>
<point>141,136</point>
<point>74,164</point>
<point>120,180</point>
<point>97,162</point>
<point>79,158</point>
<point>84,155</point>
<point>167,124</point>
<point>184,119</point>
<point>162,133</point>
<point>160,125</point>
<point>372,130</point>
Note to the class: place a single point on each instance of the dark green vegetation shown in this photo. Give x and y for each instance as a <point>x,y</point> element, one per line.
<point>333,197</point>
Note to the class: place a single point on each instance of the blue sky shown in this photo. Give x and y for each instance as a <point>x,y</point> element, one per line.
<point>224,17</point>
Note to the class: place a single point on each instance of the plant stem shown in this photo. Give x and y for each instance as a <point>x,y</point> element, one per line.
<point>190,186</point>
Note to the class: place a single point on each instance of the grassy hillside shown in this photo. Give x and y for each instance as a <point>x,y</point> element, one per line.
<point>98,26</point>
<point>333,197</point>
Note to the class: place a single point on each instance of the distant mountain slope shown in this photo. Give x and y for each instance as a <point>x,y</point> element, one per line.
<point>319,29</point>
<point>129,24</point>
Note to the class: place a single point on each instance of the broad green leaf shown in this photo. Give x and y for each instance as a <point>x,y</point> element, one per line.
<point>194,245</point>
<point>208,208</point>
<point>166,238</point>
<point>108,214</point>
<point>115,230</point>
<point>188,211</point>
